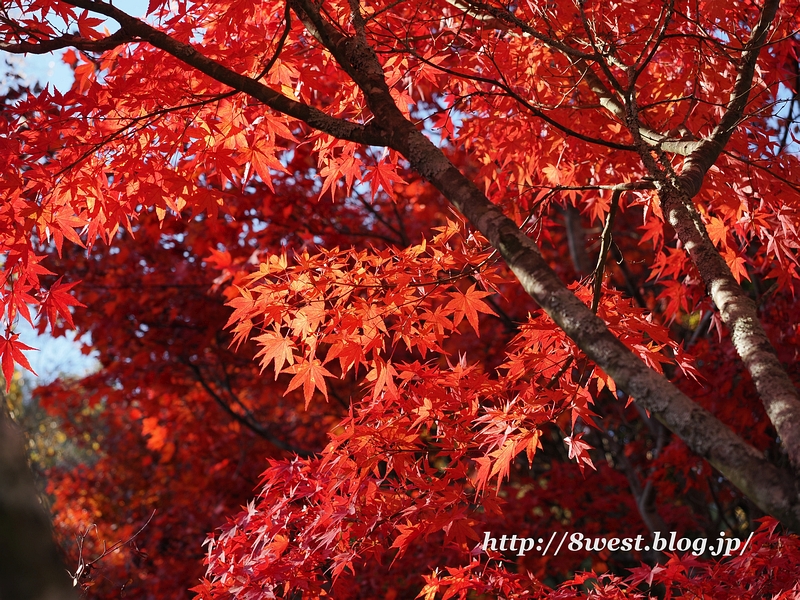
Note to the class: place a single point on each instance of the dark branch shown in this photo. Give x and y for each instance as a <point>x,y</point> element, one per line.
<point>315,118</point>
<point>68,41</point>
<point>246,419</point>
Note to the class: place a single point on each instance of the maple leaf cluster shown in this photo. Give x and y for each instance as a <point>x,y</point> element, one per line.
<point>369,279</point>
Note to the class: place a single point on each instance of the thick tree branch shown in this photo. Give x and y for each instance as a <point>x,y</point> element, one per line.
<point>742,464</point>
<point>315,118</point>
<point>68,41</point>
<point>739,313</point>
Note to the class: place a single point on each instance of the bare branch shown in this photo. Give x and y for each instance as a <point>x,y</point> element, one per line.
<point>532,108</point>
<point>653,43</point>
<point>475,8</point>
<point>576,241</point>
<point>616,107</point>
<point>605,245</point>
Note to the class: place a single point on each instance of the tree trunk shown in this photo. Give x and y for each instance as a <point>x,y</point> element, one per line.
<point>30,565</point>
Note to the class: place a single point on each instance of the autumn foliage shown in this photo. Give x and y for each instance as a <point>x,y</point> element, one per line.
<point>370,279</point>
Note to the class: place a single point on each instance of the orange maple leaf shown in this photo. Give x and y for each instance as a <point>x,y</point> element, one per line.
<point>275,347</point>
<point>310,374</point>
<point>469,303</point>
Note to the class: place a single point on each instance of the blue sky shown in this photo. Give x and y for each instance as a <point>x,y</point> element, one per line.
<point>49,68</point>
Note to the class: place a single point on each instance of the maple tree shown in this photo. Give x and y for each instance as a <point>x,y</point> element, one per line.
<point>451,267</point>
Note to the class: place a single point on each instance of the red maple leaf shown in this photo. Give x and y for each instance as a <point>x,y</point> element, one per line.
<point>11,352</point>
<point>469,303</point>
<point>57,302</point>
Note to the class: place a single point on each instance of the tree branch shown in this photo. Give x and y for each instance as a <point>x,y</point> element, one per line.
<point>645,497</point>
<point>581,61</point>
<point>245,420</point>
<point>707,152</point>
<point>315,118</point>
<point>616,107</point>
<point>576,241</point>
<point>506,16</point>
<point>605,245</point>
<point>739,313</point>
<point>769,487</point>
<point>68,41</point>
<point>533,109</point>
